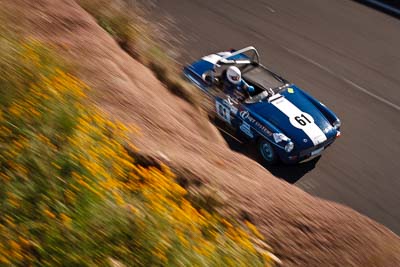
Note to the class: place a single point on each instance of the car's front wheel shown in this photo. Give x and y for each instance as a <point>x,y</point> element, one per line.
<point>267,152</point>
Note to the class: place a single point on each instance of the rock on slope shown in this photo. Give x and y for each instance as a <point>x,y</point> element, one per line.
<point>303,230</point>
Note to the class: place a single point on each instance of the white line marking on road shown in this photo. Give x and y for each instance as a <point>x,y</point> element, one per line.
<point>387,102</point>
<point>358,87</point>
<point>270,9</point>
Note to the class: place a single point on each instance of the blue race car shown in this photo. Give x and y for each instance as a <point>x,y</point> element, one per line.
<point>286,123</point>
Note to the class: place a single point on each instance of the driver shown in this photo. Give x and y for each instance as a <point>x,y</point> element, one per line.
<point>235,86</point>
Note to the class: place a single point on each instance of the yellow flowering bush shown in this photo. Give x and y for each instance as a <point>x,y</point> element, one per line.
<point>71,195</point>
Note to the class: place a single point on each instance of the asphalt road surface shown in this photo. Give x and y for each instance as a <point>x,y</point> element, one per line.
<point>345,54</point>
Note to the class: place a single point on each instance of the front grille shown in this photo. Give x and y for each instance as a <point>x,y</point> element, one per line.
<point>308,151</point>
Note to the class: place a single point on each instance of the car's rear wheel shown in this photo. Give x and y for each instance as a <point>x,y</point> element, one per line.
<point>267,152</point>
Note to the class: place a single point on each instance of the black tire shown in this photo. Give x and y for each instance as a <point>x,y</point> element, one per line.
<point>267,152</point>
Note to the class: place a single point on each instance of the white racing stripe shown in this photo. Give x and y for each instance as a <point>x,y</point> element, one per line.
<point>213,58</point>
<point>312,130</point>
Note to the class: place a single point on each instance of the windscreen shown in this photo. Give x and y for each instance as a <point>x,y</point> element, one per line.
<point>262,77</point>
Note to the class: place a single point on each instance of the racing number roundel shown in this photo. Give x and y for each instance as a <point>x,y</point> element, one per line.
<point>223,112</point>
<point>301,120</point>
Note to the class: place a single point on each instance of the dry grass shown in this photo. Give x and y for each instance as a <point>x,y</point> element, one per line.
<point>125,23</point>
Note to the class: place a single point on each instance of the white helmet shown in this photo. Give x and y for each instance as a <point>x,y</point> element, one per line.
<point>234,74</point>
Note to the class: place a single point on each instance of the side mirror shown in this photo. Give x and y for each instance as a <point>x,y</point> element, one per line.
<point>208,77</point>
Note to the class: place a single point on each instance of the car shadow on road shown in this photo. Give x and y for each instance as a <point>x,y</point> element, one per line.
<point>289,173</point>
<point>292,173</point>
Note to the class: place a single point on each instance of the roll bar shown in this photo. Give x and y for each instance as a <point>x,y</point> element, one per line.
<point>226,60</point>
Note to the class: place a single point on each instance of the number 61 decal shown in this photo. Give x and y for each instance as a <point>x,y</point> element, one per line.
<point>302,120</point>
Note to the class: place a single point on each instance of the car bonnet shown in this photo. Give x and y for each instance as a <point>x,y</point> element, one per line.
<point>296,116</point>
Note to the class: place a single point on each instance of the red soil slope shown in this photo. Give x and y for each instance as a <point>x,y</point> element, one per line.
<point>303,230</point>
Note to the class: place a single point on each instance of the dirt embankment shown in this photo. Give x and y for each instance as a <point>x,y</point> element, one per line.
<point>303,230</point>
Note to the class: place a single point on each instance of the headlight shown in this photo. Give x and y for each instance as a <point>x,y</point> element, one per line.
<point>337,124</point>
<point>289,147</point>
<point>279,137</point>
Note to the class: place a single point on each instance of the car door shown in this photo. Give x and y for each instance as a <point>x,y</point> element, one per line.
<point>226,109</point>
